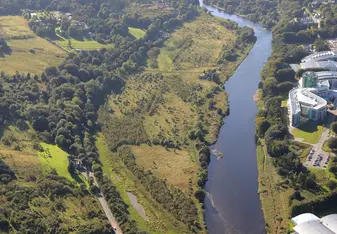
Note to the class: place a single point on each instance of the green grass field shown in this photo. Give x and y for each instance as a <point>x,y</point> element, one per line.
<point>55,158</point>
<point>136,32</point>
<point>32,55</point>
<point>309,132</point>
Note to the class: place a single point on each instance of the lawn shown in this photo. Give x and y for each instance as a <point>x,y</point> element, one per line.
<point>309,132</point>
<point>30,54</point>
<point>177,171</point>
<point>326,147</point>
<point>136,32</point>
<point>53,157</point>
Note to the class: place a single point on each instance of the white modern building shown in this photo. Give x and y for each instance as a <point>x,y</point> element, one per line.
<point>323,59</point>
<point>310,99</point>
<point>308,223</point>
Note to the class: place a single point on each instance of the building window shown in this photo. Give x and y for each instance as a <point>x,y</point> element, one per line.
<point>313,114</point>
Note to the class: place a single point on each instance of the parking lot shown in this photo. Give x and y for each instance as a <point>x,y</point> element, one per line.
<point>317,158</point>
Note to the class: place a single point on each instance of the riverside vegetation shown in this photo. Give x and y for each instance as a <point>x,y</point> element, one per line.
<point>105,110</point>
<point>286,187</point>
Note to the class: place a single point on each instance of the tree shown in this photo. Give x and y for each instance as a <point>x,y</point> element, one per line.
<point>320,45</point>
<point>333,127</point>
<point>332,184</point>
<point>297,195</point>
<point>332,143</point>
<point>69,44</point>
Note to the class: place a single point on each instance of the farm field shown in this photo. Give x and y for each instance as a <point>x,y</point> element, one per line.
<point>30,53</point>
<point>136,32</point>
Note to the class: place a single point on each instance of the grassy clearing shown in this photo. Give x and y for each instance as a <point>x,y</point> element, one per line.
<point>309,132</point>
<point>84,44</point>
<point>150,11</point>
<point>54,158</point>
<point>136,32</point>
<point>274,194</point>
<point>14,26</point>
<point>81,45</point>
<point>196,46</point>
<point>160,221</point>
<point>177,171</point>
<point>30,53</point>
<point>25,164</point>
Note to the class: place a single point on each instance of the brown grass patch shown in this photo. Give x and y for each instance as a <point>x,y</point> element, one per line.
<point>174,166</point>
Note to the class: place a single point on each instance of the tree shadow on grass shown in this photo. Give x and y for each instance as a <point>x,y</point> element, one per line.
<point>78,179</point>
<point>309,127</point>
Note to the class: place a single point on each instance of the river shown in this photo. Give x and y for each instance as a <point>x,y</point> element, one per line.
<point>233,205</point>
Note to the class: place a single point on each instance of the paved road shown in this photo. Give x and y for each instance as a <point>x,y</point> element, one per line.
<point>106,208</point>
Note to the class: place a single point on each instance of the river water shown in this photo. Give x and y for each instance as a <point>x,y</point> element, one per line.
<point>233,205</point>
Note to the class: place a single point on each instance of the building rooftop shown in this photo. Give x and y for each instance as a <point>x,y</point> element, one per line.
<point>306,97</point>
<point>322,75</point>
<point>304,218</point>
<point>308,223</point>
<point>329,64</point>
<point>330,221</point>
<point>322,55</point>
<point>294,104</point>
<point>312,227</point>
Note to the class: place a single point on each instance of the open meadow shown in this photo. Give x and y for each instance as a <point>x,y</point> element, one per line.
<point>196,46</point>
<point>30,53</point>
<point>178,171</point>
